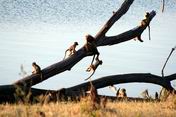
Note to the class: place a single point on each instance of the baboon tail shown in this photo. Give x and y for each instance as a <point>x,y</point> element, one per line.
<point>41,76</point>
<point>93,59</point>
<point>149,32</point>
<point>90,76</point>
<point>65,54</point>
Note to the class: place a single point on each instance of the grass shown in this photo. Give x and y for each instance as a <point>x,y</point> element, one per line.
<point>82,109</point>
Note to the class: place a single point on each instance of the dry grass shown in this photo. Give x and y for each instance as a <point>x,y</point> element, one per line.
<point>82,109</point>
<point>120,109</point>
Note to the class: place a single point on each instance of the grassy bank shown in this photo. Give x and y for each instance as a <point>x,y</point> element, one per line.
<point>81,109</point>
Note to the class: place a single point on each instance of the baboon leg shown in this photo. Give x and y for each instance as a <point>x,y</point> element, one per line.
<point>93,59</point>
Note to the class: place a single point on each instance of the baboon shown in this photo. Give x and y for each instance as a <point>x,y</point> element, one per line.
<point>103,101</point>
<point>47,98</point>
<point>145,94</point>
<point>95,100</point>
<point>93,67</point>
<point>36,70</point>
<point>122,93</point>
<point>61,94</point>
<point>156,96</point>
<point>118,92</point>
<point>113,88</point>
<point>71,49</point>
<point>164,93</point>
<point>90,47</point>
<point>145,22</point>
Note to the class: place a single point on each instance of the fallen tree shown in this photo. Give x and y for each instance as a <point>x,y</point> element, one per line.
<point>101,40</point>
<point>7,92</point>
<point>123,78</point>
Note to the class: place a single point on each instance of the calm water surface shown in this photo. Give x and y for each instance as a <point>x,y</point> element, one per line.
<point>41,30</point>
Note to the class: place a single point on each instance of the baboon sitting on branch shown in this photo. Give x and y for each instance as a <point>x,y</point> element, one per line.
<point>91,48</point>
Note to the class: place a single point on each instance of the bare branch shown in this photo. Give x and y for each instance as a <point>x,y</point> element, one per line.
<point>126,36</point>
<point>52,70</point>
<point>116,15</point>
<point>162,71</point>
<point>163,4</point>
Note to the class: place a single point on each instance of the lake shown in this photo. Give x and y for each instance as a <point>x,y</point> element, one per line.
<point>41,30</point>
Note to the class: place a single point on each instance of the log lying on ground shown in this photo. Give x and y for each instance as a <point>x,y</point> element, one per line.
<point>7,91</point>
<point>10,93</point>
<point>101,40</point>
<point>124,78</point>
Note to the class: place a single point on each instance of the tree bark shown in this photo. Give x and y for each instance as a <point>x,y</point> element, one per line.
<point>123,78</point>
<point>101,40</point>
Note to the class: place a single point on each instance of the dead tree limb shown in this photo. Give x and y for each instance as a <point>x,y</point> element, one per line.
<point>52,70</point>
<point>162,71</point>
<point>126,36</point>
<point>7,91</point>
<point>123,78</point>
<point>116,15</point>
<point>101,40</point>
<point>162,8</point>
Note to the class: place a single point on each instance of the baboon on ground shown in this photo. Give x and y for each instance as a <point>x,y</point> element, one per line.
<point>94,98</point>
<point>122,93</point>
<point>145,94</point>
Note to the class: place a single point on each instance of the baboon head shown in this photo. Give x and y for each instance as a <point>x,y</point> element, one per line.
<point>75,43</point>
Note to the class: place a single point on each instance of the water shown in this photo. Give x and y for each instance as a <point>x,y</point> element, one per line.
<point>41,30</point>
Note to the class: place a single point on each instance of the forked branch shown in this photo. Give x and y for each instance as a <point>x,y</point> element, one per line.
<point>101,40</point>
